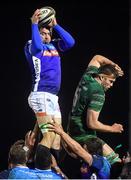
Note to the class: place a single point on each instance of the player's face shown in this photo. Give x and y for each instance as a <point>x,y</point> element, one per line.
<point>45,35</point>
<point>107,82</point>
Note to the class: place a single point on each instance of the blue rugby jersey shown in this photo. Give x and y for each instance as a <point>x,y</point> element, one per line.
<point>20,172</point>
<point>100,166</point>
<point>44,59</point>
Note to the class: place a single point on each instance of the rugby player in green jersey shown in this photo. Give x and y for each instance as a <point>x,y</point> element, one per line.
<point>88,101</point>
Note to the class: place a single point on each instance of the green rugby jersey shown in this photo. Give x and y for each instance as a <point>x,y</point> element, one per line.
<point>89,95</point>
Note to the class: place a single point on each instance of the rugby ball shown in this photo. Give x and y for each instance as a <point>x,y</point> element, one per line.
<point>47,14</point>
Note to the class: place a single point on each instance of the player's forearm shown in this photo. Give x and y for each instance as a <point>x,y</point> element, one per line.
<point>77,148</point>
<point>93,122</point>
<point>103,60</point>
<point>70,142</point>
<point>99,60</point>
<point>98,126</point>
<point>67,40</point>
<point>37,44</point>
<point>74,146</point>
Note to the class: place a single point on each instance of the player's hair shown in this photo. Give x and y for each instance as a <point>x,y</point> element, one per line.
<point>17,154</point>
<point>108,69</point>
<point>94,146</point>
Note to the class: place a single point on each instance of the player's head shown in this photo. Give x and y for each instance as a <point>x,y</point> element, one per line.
<point>94,146</point>
<point>107,74</point>
<point>108,70</point>
<point>18,154</point>
<point>45,33</point>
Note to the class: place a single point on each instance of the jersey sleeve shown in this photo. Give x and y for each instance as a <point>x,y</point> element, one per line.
<point>96,101</point>
<point>66,41</point>
<point>95,90</point>
<point>36,44</point>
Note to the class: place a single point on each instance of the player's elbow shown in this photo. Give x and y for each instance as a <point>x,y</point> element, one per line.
<point>91,125</point>
<point>70,44</point>
<point>97,57</point>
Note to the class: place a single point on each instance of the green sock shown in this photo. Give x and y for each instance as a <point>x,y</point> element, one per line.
<point>113,157</point>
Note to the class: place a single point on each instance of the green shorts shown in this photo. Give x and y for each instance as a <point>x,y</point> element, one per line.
<point>82,139</point>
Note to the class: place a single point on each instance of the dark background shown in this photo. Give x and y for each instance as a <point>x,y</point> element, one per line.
<point>99,27</point>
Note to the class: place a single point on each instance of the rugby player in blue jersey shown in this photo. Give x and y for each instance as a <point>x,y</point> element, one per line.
<point>42,54</point>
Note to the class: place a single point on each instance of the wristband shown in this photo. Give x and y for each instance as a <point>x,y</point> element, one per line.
<point>25,148</point>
